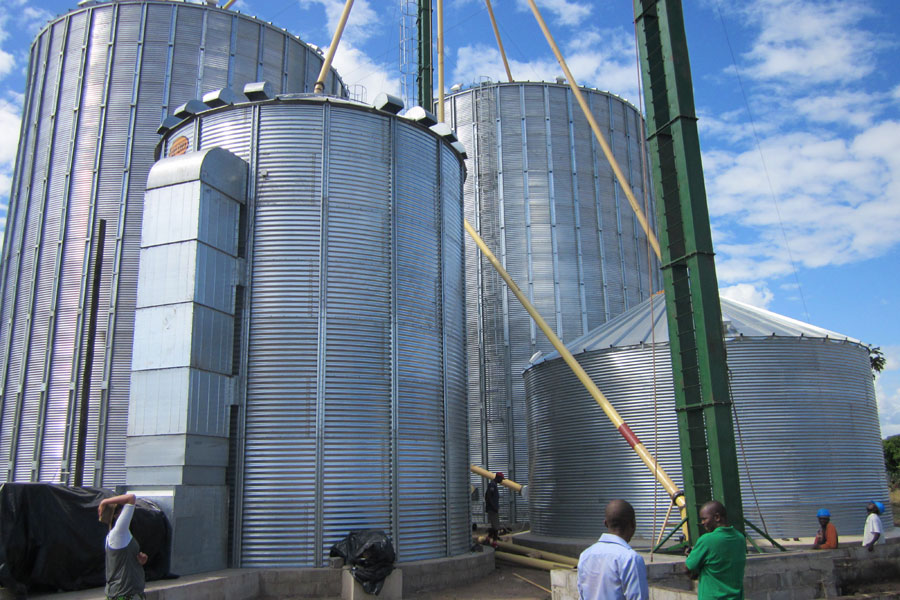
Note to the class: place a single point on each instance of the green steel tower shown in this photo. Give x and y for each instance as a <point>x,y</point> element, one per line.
<point>425,71</point>
<point>702,399</point>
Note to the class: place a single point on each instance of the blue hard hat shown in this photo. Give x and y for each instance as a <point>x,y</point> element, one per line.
<point>879,506</point>
<point>823,512</point>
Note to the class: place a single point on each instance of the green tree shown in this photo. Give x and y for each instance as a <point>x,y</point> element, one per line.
<point>892,458</point>
<point>877,360</point>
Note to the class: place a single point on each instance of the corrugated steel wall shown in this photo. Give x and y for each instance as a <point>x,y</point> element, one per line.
<point>545,200</point>
<point>806,425</point>
<point>100,80</point>
<point>355,358</point>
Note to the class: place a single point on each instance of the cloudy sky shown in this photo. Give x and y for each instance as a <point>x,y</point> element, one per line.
<point>799,106</point>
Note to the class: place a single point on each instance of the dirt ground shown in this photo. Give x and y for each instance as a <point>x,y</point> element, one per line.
<point>505,583</point>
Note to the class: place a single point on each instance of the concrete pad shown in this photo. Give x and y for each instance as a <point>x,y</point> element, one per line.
<point>351,589</point>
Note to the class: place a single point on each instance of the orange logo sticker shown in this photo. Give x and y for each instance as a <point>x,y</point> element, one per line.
<point>179,146</point>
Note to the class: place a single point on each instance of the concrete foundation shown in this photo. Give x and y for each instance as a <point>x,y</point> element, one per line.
<point>295,584</point>
<point>351,589</point>
<point>798,574</point>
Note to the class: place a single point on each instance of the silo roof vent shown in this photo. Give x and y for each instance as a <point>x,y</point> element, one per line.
<point>259,90</point>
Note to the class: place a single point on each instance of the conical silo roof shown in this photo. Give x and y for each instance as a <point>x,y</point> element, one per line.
<point>645,323</point>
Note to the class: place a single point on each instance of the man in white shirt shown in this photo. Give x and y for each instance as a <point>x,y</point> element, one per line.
<point>872,530</point>
<point>610,569</point>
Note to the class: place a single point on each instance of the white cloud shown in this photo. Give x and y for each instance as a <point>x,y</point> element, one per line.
<point>357,68</point>
<point>362,23</point>
<point>565,12</point>
<point>891,358</point>
<point>810,41</point>
<point>603,60</point>
<point>887,392</point>
<point>755,294</point>
<point>895,93</point>
<point>834,201</point>
<point>854,108</point>
<point>33,19</point>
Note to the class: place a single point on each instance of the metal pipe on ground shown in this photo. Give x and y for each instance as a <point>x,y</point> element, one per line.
<point>527,561</point>
<point>535,553</point>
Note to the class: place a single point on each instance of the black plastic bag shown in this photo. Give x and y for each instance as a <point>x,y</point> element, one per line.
<point>370,554</point>
<point>50,538</point>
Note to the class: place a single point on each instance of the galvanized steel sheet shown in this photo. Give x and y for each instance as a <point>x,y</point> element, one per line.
<point>544,198</point>
<point>354,409</point>
<point>100,80</point>
<point>806,428</point>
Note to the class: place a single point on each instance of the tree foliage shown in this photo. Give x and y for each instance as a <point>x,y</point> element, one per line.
<point>877,360</point>
<point>892,458</point>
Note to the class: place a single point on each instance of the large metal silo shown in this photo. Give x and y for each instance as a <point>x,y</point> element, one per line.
<point>545,200</point>
<point>100,80</point>
<point>353,364</point>
<point>806,425</point>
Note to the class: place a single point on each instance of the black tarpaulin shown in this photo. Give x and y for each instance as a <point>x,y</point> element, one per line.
<point>370,554</point>
<point>50,538</point>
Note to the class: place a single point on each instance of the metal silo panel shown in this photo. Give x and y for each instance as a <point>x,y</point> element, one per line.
<point>454,348</point>
<point>548,205</point>
<point>356,349</point>
<point>280,451</point>
<point>216,51</point>
<point>100,79</point>
<point>420,378</point>
<point>779,387</point>
<point>347,406</point>
<point>185,55</point>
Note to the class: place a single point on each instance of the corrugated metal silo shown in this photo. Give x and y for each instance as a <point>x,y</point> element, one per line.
<point>806,425</point>
<point>100,79</point>
<point>545,200</point>
<point>354,337</point>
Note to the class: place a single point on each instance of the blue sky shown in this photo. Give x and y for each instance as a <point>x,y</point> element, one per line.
<point>799,106</point>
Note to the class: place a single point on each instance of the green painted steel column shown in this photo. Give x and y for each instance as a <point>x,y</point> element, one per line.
<point>425,71</point>
<point>702,400</point>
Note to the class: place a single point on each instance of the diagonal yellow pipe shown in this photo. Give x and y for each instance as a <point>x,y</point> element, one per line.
<point>329,56</point>
<point>499,41</point>
<point>625,431</point>
<point>623,183</point>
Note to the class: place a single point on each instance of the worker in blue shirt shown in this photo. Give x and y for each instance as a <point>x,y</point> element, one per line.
<point>610,569</point>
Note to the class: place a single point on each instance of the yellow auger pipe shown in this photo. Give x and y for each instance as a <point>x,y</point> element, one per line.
<point>228,4</point>
<point>499,42</point>
<point>535,553</point>
<point>516,487</point>
<point>329,56</point>
<point>440,53</point>
<point>623,183</point>
<point>527,561</point>
<point>621,425</point>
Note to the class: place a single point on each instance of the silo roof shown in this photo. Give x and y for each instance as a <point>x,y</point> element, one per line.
<point>635,327</point>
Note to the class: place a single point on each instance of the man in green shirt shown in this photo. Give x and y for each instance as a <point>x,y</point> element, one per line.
<point>718,557</point>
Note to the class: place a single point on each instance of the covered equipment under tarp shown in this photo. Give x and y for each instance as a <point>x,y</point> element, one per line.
<point>50,538</point>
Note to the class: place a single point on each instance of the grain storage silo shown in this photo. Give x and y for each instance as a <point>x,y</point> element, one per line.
<point>100,80</point>
<point>806,424</point>
<point>545,200</point>
<point>350,332</point>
